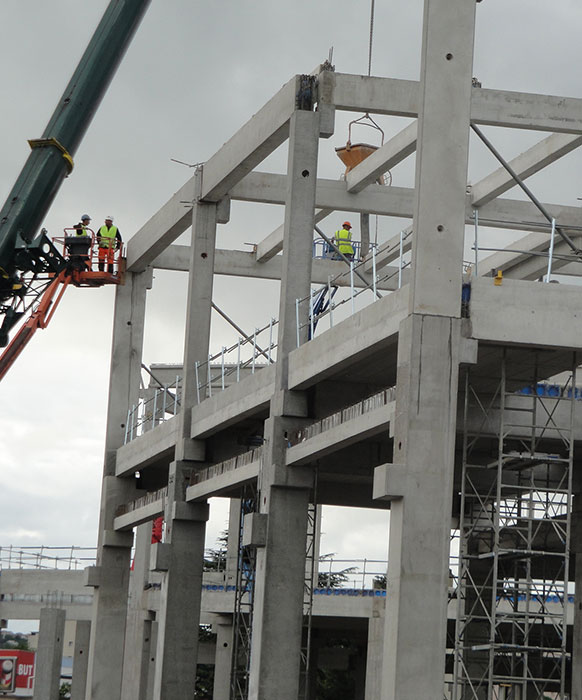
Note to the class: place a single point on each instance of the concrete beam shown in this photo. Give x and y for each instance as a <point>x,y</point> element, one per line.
<point>356,337</point>
<point>224,483</point>
<point>340,436</point>
<point>520,110</point>
<point>251,144</point>
<point>390,250</point>
<point>273,243</point>
<point>388,156</point>
<point>526,164</point>
<point>162,229</point>
<point>136,517</point>
<point>242,264</point>
<point>156,445</point>
<point>531,313</point>
<point>235,403</point>
<point>270,188</point>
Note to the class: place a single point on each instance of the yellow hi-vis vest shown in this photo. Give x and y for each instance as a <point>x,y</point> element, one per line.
<point>343,239</point>
<point>107,236</point>
<point>82,231</point>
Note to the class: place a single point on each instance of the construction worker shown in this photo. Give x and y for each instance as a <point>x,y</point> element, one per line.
<point>109,240</point>
<point>343,240</point>
<point>81,227</point>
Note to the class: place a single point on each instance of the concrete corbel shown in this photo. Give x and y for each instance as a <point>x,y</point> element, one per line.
<point>180,510</point>
<point>193,450</point>
<point>160,556</point>
<point>92,576</point>
<point>468,349</point>
<point>113,538</point>
<point>290,403</point>
<point>223,211</point>
<point>390,481</point>
<point>255,530</point>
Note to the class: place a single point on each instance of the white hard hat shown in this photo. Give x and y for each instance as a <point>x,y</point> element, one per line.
<point>108,218</point>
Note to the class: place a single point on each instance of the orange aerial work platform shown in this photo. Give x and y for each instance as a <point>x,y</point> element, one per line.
<point>81,268</point>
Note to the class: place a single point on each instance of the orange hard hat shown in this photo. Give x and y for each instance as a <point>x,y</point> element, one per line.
<point>347,223</point>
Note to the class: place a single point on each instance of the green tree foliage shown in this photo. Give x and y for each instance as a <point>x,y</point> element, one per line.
<point>334,579</point>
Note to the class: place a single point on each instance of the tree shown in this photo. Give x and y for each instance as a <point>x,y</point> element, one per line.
<point>334,579</point>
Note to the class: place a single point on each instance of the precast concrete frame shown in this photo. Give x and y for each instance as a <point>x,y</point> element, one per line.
<point>414,338</point>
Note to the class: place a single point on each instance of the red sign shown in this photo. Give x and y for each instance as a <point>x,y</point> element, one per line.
<point>16,672</point>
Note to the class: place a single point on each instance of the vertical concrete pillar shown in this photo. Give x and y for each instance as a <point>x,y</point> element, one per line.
<point>364,234</point>
<point>284,493</point>
<point>179,615</point>
<point>153,630</point>
<point>421,480</point>
<point>375,649</point>
<point>138,627</point>
<point>49,656</point>
<point>80,659</point>
<point>110,577</point>
<point>223,659</point>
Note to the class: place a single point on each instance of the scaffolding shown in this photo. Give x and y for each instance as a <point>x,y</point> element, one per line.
<point>243,600</point>
<point>514,528</point>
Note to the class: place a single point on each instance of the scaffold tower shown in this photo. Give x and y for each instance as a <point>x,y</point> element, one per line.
<point>516,495</point>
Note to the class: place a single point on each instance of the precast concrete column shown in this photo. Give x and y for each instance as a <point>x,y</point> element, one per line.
<point>80,659</point>
<point>420,481</point>
<point>374,656</point>
<point>284,492</point>
<point>138,627</point>
<point>110,577</point>
<point>183,548</point>
<point>223,659</point>
<point>49,656</point>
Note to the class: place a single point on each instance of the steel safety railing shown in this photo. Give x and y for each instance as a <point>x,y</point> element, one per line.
<point>551,227</point>
<point>43,557</point>
<point>307,315</point>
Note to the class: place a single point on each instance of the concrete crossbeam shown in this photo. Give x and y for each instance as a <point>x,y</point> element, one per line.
<point>390,250</point>
<point>156,445</point>
<point>235,403</point>
<point>141,515</point>
<point>224,483</point>
<point>169,222</point>
<point>541,315</point>
<point>270,188</point>
<point>239,263</point>
<point>520,110</point>
<point>251,144</point>
<point>351,340</point>
<point>526,164</point>
<point>340,436</point>
<point>273,243</point>
<point>523,110</point>
<point>388,156</point>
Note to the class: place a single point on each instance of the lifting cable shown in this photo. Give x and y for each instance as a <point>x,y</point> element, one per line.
<point>371,37</point>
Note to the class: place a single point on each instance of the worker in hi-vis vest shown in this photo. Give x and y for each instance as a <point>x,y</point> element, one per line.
<point>343,240</point>
<point>82,226</point>
<point>109,240</point>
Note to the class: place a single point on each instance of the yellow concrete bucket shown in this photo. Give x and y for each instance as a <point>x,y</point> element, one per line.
<point>353,154</point>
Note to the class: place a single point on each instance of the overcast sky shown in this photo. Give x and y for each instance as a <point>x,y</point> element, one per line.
<point>195,72</point>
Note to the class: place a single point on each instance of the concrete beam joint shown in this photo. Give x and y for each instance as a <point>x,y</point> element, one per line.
<point>92,576</point>
<point>160,556</point>
<point>113,538</point>
<point>255,530</point>
<point>197,512</point>
<point>390,482</point>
